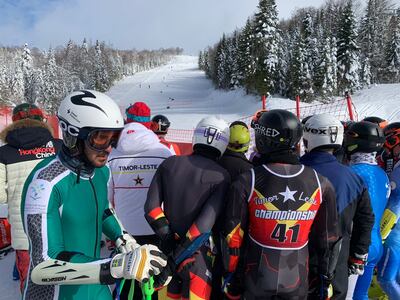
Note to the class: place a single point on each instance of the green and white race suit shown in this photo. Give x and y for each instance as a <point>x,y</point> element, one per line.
<point>64,219</point>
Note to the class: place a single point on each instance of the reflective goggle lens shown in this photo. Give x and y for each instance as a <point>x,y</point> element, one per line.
<point>392,141</point>
<point>102,139</point>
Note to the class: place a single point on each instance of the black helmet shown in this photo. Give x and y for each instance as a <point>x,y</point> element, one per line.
<point>346,124</point>
<point>376,120</point>
<point>277,130</point>
<point>363,136</point>
<point>160,124</point>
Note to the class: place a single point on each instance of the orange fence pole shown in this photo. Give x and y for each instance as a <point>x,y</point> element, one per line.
<point>264,101</point>
<point>298,106</point>
<point>349,106</point>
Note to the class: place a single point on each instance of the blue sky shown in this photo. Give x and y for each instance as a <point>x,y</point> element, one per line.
<point>126,24</point>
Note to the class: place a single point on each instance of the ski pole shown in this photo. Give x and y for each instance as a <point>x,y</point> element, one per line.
<point>148,289</point>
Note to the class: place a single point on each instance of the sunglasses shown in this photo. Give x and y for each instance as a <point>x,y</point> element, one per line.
<point>100,140</point>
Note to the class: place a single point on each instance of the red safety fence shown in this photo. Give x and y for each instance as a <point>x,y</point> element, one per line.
<point>343,109</point>
<point>6,119</point>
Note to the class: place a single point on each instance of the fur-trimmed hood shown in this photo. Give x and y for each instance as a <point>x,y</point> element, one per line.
<point>26,134</point>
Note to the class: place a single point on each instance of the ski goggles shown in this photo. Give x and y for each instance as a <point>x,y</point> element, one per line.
<point>100,140</point>
<point>392,141</point>
<point>238,146</point>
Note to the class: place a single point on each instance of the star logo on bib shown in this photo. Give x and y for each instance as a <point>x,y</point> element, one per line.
<point>138,180</point>
<point>288,195</point>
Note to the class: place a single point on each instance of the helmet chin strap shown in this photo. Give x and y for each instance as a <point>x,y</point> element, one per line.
<point>75,160</point>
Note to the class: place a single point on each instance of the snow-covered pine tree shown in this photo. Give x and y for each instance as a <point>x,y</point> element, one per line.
<point>366,75</point>
<point>348,51</point>
<point>372,33</point>
<point>54,85</point>
<point>334,75</point>
<point>85,66</point>
<point>310,43</point>
<point>295,64</point>
<point>201,61</point>
<point>392,56</point>
<point>245,58</point>
<point>220,64</point>
<point>100,75</point>
<point>281,67</point>
<point>3,77</point>
<point>206,59</point>
<point>266,46</point>
<point>310,53</point>
<point>325,80</point>
<point>232,60</point>
<point>14,78</point>
<point>29,76</point>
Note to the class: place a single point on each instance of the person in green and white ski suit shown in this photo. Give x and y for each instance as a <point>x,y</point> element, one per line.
<point>65,210</point>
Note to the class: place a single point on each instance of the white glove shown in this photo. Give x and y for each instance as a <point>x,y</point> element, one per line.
<point>139,264</point>
<point>126,243</point>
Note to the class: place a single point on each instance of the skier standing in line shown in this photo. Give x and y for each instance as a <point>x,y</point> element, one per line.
<point>389,265</point>
<point>183,203</point>
<point>323,135</point>
<point>160,127</point>
<point>361,142</point>
<point>65,210</point>
<point>235,162</point>
<point>278,206</point>
<point>387,158</point>
<point>26,142</point>
<point>133,164</point>
<point>234,159</point>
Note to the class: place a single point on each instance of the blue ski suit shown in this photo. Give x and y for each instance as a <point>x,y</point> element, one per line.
<point>355,214</point>
<point>389,265</point>
<point>379,190</point>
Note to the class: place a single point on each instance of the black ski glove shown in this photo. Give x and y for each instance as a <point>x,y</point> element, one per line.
<point>322,290</point>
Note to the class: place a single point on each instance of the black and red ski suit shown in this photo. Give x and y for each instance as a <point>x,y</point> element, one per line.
<point>276,209</point>
<point>184,200</point>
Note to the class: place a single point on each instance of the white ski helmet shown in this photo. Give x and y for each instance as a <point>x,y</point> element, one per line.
<point>82,112</point>
<point>324,131</point>
<point>212,131</point>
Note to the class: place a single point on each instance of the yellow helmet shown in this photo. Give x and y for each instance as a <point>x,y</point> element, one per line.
<point>239,138</point>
